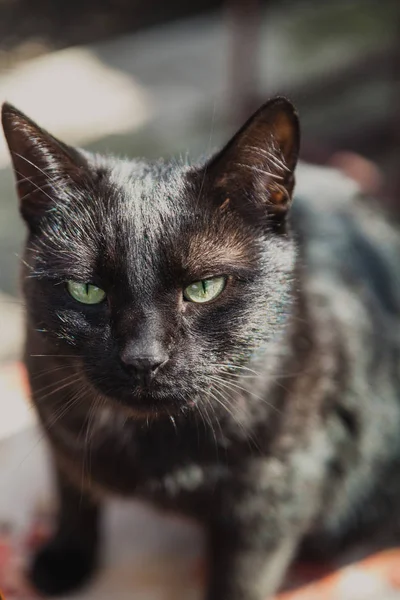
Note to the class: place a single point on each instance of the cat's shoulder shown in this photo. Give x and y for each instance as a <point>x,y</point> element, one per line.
<point>346,238</point>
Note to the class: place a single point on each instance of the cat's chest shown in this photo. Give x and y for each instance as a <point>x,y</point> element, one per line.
<point>191,487</point>
<point>129,459</point>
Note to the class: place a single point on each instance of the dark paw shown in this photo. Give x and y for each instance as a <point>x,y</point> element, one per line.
<point>60,567</point>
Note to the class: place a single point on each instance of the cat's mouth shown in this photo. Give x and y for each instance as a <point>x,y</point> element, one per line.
<point>153,399</point>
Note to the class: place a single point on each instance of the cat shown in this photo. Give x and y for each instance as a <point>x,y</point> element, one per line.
<point>194,340</point>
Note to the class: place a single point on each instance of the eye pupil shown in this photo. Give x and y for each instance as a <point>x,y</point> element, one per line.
<point>85,293</point>
<point>204,290</point>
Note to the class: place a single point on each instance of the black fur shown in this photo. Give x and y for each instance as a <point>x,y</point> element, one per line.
<point>260,416</point>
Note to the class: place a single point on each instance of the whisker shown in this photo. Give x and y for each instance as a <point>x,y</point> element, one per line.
<point>279,164</point>
<point>56,355</point>
<point>69,377</point>
<point>44,372</point>
<point>87,455</point>
<point>43,433</point>
<point>258,170</point>
<point>58,389</point>
<point>230,385</point>
<point>35,167</point>
<point>217,420</point>
<point>235,367</point>
<point>208,149</point>
<point>237,375</point>
<point>248,434</point>
<point>212,431</point>
<point>38,188</point>
<point>171,418</point>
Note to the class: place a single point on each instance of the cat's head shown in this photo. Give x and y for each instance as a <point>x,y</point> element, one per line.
<point>159,278</point>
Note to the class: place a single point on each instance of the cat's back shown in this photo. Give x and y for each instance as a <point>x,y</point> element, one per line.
<point>350,253</point>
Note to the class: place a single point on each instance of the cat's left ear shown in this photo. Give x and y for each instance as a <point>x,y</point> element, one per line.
<point>42,164</point>
<point>258,164</point>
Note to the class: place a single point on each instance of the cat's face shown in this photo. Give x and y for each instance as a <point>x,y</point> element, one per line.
<point>158,278</point>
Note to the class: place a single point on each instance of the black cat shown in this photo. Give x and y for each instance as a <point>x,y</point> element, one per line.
<point>190,344</point>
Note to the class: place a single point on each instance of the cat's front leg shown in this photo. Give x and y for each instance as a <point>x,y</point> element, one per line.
<point>69,558</point>
<point>259,521</point>
<point>239,571</point>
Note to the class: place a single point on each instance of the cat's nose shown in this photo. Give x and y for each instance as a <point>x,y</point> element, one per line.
<point>145,364</point>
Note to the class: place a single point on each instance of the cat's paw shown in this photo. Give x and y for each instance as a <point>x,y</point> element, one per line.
<point>60,567</point>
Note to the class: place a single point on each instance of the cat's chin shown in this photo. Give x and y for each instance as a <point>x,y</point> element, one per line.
<point>142,406</point>
<point>140,413</point>
<point>155,412</point>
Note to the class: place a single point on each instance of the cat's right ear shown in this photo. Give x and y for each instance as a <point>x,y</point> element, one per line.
<point>43,165</point>
<point>256,168</point>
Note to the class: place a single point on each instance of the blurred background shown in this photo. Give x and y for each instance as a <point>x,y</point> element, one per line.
<point>163,77</point>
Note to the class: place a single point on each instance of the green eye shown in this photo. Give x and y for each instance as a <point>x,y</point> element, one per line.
<point>204,290</point>
<point>86,293</point>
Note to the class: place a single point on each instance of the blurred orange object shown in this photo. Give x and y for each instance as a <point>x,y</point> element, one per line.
<point>370,578</point>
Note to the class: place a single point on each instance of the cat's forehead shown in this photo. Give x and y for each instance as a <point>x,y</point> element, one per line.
<point>140,179</point>
<point>146,193</point>
<point>159,199</point>
<point>154,209</point>
<point>140,222</point>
